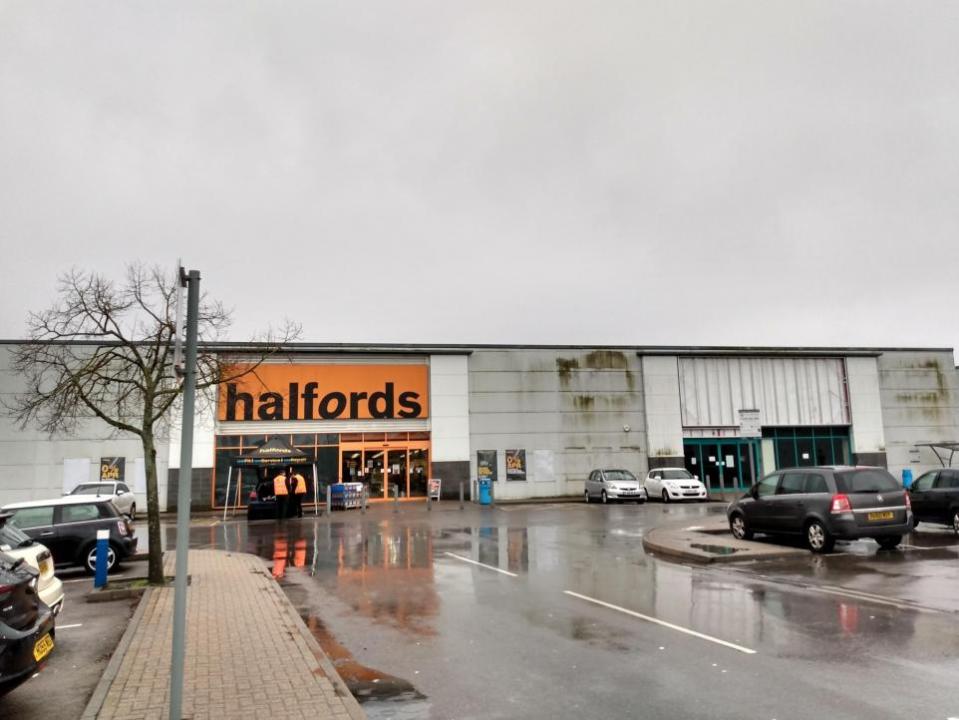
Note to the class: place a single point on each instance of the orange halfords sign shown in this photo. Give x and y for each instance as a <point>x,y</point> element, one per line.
<point>327,392</point>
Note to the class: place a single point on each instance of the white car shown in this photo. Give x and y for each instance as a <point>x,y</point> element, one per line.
<point>17,544</point>
<point>674,484</point>
<point>609,485</point>
<point>123,499</point>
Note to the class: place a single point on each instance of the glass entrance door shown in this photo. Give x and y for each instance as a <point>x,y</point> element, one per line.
<point>728,464</point>
<point>396,473</point>
<point>382,466</point>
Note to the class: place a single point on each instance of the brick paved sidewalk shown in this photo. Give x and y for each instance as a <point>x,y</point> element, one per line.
<point>248,654</point>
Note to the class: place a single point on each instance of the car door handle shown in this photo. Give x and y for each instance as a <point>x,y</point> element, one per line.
<point>48,533</point>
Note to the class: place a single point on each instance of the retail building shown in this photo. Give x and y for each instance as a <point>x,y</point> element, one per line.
<point>535,419</point>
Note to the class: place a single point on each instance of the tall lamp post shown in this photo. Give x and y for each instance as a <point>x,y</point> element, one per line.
<point>191,281</point>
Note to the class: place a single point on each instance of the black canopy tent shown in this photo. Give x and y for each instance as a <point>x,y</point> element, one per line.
<point>272,453</point>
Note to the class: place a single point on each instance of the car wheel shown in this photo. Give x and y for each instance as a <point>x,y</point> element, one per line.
<point>955,521</point>
<point>605,499</point>
<point>90,558</point>
<point>665,496</point>
<point>586,493</point>
<point>915,523</point>
<point>889,542</point>
<point>818,537</point>
<point>738,527</point>
<point>133,512</point>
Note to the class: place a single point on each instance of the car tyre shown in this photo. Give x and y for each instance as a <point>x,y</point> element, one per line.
<point>818,537</point>
<point>133,512</point>
<point>586,494</point>
<point>889,542</point>
<point>955,521</point>
<point>90,558</point>
<point>739,528</point>
<point>665,496</point>
<point>605,499</point>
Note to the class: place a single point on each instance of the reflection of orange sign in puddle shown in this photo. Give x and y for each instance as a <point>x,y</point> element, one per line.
<point>364,682</point>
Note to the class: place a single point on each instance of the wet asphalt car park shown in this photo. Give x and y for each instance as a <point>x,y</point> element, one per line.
<point>546,611</point>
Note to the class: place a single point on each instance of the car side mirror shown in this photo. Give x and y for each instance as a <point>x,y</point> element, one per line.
<point>754,492</point>
<point>121,492</point>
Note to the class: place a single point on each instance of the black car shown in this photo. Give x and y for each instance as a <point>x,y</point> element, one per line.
<point>935,498</point>
<point>825,504</point>
<point>26,624</point>
<point>68,527</point>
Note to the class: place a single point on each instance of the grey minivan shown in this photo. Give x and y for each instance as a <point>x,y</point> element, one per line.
<point>825,504</point>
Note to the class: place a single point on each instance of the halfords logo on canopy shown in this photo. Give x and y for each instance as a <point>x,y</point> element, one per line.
<point>327,392</point>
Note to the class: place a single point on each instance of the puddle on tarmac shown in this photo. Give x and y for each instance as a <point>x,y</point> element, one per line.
<point>715,549</point>
<point>381,695</point>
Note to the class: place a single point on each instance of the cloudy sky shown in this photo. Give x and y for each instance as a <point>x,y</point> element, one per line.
<point>713,172</point>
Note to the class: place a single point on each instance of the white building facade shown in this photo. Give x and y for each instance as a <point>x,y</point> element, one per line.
<point>533,419</point>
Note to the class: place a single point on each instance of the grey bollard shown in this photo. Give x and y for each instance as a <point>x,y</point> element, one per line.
<point>329,500</point>
<point>461,494</point>
<point>396,499</point>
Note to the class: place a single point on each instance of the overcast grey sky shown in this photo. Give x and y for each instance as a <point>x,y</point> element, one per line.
<point>500,171</point>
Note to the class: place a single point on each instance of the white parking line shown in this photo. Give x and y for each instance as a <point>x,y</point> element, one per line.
<point>67,627</point>
<point>488,567</point>
<point>663,623</point>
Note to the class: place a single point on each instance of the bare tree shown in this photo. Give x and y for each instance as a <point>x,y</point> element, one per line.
<point>105,350</point>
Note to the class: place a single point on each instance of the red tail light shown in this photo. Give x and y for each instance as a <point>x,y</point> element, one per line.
<point>908,501</point>
<point>840,504</point>
<point>122,527</point>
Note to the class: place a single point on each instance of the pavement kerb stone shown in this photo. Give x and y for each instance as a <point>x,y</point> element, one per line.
<point>113,667</point>
<point>352,706</point>
<point>676,542</point>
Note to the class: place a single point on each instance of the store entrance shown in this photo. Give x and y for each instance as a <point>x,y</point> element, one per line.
<point>723,464</point>
<point>387,468</point>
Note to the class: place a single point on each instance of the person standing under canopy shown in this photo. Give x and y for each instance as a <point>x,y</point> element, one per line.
<point>282,493</point>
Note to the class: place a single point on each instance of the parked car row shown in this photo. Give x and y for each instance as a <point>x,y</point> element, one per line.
<point>35,538</point>
<point>668,484</point>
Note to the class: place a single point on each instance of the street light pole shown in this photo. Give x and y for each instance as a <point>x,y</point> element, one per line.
<point>192,281</point>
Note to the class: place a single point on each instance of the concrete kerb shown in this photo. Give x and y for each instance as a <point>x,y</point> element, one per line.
<point>326,665</point>
<point>716,545</point>
<point>92,709</point>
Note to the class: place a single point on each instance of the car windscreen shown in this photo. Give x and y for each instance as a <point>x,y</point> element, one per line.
<point>93,489</point>
<point>677,475</point>
<point>619,476</point>
<point>866,481</point>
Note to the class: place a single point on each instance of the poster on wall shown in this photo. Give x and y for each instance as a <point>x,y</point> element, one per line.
<point>515,464</point>
<point>486,465</point>
<point>543,470</point>
<point>112,469</point>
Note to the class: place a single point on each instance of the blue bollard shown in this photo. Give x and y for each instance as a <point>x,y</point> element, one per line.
<point>103,548</point>
<point>485,497</point>
<point>906,477</point>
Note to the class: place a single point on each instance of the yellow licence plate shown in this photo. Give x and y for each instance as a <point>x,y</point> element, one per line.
<point>880,516</point>
<point>42,648</point>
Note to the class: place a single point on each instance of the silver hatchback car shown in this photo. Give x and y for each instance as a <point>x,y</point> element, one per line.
<point>609,485</point>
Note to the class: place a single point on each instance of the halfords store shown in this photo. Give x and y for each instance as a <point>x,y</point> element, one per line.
<point>535,419</point>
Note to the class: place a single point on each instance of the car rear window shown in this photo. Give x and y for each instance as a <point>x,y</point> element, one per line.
<point>866,481</point>
<point>79,513</point>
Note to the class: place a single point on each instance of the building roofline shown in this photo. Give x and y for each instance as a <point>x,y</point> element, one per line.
<point>466,349</point>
